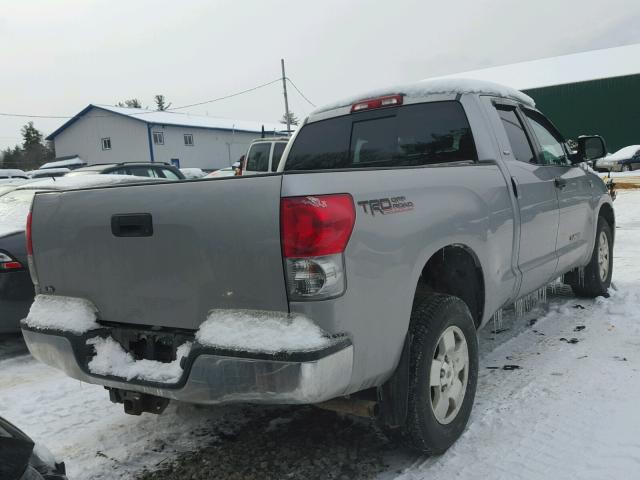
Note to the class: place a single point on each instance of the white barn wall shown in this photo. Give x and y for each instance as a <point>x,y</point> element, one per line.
<point>129,141</point>
<point>211,149</point>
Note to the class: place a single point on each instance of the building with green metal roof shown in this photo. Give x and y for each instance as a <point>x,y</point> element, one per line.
<point>596,92</point>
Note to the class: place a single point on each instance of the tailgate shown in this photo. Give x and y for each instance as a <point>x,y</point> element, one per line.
<point>163,254</point>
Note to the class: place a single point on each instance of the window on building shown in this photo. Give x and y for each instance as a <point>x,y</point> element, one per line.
<point>106,143</point>
<point>158,138</point>
<point>188,139</point>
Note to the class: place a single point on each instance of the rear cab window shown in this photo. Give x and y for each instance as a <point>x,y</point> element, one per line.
<point>278,150</point>
<point>410,135</point>
<point>258,157</point>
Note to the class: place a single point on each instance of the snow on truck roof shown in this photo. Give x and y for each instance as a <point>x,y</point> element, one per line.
<point>178,119</point>
<point>425,88</point>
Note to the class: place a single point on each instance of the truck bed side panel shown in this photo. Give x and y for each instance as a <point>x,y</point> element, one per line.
<point>452,205</point>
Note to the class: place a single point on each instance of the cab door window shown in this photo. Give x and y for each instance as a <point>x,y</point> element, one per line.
<point>551,150</point>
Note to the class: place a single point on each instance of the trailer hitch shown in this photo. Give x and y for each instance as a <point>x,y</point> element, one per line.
<point>135,402</point>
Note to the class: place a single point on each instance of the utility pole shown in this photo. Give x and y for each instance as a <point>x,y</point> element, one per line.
<point>286,100</point>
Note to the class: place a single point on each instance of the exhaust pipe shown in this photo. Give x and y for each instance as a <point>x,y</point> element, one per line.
<point>351,406</point>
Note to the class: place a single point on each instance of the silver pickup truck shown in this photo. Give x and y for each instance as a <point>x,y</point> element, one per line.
<point>356,276</point>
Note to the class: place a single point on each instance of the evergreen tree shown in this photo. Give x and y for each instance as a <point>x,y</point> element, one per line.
<point>161,103</point>
<point>293,120</point>
<point>32,154</point>
<point>130,103</point>
<point>31,136</point>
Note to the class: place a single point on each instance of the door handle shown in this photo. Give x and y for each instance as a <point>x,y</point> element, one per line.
<point>560,183</point>
<point>132,225</point>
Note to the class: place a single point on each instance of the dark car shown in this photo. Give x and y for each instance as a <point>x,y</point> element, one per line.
<point>16,288</point>
<point>22,459</point>
<point>139,169</point>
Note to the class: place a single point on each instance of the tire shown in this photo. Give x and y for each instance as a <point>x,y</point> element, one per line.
<point>626,168</point>
<point>441,326</point>
<point>596,279</point>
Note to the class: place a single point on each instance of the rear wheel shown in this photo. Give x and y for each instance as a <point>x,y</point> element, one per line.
<point>596,277</point>
<point>443,372</point>
<point>626,168</point>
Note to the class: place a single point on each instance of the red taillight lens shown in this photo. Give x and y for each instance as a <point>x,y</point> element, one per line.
<point>10,266</point>
<point>389,101</point>
<point>28,235</point>
<point>9,263</point>
<point>314,226</point>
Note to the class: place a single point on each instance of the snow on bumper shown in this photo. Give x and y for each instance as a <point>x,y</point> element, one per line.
<point>209,374</point>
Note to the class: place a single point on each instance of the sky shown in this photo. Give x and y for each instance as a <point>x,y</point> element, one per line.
<point>59,56</point>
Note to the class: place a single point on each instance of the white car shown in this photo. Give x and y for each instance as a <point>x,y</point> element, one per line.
<point>624,160</point>
<point>6,173</point>
<point>223,172</point>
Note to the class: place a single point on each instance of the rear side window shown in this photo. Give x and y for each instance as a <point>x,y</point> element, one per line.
<point>258,159</point>
<point>520,144</point>
<point>278,150</point>
<point>412,135</point>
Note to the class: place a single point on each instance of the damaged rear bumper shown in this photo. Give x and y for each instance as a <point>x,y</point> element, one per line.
<point>214,376</point>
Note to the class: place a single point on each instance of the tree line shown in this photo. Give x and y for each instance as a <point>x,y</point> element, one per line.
<point>31,154</point>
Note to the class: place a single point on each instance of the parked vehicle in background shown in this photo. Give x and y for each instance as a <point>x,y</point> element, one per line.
<point>16,287</point>
<point>138,169</point>
<point>22,459</point>
<point>71,163</point>
<point>223,172</point>
<point>624,160</point>
<point>396,225</point>
<point>192,173</point>
<point>8,173</point>
<point>264,155</point>
<point>48,173</point>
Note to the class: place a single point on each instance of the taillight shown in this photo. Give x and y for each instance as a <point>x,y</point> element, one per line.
<point>28,235</point>
<point>32,265</point>
<point>315,231</point>
<point>8,263</point>
<point>388,101</point>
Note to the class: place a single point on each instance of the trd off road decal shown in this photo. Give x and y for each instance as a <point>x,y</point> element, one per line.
<point>386,206</point>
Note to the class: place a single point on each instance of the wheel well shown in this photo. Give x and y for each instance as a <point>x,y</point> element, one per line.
<point>455,270</point>
<point>606,212</point>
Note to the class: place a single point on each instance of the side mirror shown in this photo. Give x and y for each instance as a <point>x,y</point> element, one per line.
<point>590,147</point>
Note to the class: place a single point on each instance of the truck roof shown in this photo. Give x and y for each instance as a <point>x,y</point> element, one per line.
<point>425,88</point>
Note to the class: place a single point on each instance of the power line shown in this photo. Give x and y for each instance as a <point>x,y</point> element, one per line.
<point>227,96</point>
<point>301,94</point>
<point>22,115</point>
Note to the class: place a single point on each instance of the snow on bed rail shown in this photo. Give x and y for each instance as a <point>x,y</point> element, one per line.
<point>112,359</point>
<point>70,314</point>
<point>261,331</point>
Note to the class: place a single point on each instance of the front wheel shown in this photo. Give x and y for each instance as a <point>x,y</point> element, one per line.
<point>596,276</point>
<point>443,373</point>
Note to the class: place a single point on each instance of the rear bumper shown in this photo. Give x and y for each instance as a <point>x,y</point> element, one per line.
<point>212,376</point>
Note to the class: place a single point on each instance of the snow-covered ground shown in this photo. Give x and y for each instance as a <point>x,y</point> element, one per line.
<point>571,409</point>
